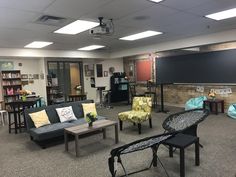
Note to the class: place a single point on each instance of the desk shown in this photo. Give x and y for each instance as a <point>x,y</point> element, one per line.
<point>77,97</point>
<point>18,107</point>
<point>213,105</point>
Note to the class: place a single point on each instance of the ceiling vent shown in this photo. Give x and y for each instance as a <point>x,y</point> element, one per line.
<point>51,20</point>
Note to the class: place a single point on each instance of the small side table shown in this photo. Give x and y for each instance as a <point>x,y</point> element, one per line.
<point>182,141</point>
<point>213,105</point>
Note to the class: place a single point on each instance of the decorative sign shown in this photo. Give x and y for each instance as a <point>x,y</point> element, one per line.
<point>224,91</point>
<point>200,89</point>
<point>6,65</point>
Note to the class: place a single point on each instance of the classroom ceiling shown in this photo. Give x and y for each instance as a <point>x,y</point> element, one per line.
<point>177,19</point>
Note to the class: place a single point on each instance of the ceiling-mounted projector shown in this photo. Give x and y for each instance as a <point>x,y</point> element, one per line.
<point>104,28</point>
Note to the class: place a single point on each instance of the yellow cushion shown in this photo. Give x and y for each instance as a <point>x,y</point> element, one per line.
<point>40,118</point>
<point>89,108</point>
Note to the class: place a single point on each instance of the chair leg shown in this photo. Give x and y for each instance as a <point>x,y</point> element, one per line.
<point>121,125</point>
<point>9,122</point>
<point>150,122</point>
<point>139,128</point>
<point>2,121</point>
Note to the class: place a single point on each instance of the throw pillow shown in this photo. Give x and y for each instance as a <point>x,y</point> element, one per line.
<point>66,114</point>
<point>89,108</point>
<point>40,118</point>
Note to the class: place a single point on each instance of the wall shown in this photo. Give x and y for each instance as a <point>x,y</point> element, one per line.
<point>31,66</point>
<point>101,81</point>
<point>177,95</point>
<point>213,38</point>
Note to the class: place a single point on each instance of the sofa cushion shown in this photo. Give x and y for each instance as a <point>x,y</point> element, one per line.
<point>52,113</point>
<point>78,122</point>
<point>49,131</point>
<point>77,107</point>
<point>89,108</point>
<point>83,121</point>
<point>40,118</point>
<point>66,114</point>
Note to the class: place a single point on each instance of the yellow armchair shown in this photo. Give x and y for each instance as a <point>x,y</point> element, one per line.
<point>141,111</point>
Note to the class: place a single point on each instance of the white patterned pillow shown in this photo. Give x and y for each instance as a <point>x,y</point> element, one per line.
<point>66,114</point>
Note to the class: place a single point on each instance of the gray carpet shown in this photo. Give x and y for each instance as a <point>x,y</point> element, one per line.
<point>20,157</point>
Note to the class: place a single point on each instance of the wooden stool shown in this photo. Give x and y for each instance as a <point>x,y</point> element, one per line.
<point>2,117</point>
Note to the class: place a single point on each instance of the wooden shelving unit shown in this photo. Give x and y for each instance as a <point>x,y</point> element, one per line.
<point>53,92</point>
<point>11,84</point>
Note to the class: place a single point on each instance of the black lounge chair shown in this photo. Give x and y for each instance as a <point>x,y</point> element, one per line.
<point>149,142</point>
<point>185,122</point>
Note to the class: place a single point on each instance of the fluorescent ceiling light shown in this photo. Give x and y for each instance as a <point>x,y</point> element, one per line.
<point>196,49</point>
<point>38,44</point>
<point>141,35</point>
<point>223,14</point>
<point>77,27</point>
<point>156,1</point>
<point>91,47</point>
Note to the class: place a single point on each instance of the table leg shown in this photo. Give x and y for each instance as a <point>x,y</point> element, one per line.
<point>104,133</point>
<point>197,153</point>
<point>15,121</point>
<point>116,134</point>
<point>77,145</point>
<point>154,156</point>
<point>66,140</point>
<point>204,105</point>
<point>216,107</point>
<point>170,151</point>
<point>182,163</point>
<point>222,107</point>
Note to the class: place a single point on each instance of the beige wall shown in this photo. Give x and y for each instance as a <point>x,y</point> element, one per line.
<point>92,93</point>
<point>31,66</point>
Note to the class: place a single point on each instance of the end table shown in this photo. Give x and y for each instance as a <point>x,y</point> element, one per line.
<point>213,105</point>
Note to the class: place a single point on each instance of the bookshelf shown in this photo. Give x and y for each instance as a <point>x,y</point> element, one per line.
<point>53,92</point>
<point>11,84</point>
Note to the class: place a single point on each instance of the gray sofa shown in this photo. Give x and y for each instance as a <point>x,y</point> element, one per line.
<point>56,128</point>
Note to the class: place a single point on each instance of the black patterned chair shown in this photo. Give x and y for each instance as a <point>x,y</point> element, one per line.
<point>186,121</point>
<point>145,143</point>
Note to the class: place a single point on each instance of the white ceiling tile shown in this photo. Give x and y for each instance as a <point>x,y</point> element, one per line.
<point>15,18</point>
<point>183,4</point>
<point>212,7</point>
<point>27,5</point>
<point>154,15</point>
<point>120,8</point>
<point>178,19</point>
<point>74,8</point>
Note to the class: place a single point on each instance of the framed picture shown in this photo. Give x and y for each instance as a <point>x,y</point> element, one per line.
<point>105,73</point>
<point>89,70</point>
<point>36,76</point>
<point>31,76</point>
<point>24,76</point>
<point>6,65</point>
<point>99,70</point>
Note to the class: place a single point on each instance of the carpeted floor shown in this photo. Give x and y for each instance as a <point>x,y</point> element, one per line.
<point>20,157</point>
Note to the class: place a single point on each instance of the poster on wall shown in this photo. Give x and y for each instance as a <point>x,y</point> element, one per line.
<point>99,70</point>
<point>143,70</point>
<point>89,70</point>
<point>6,65</point>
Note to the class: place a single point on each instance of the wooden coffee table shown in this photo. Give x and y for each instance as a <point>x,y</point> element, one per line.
<point>85,129</point>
